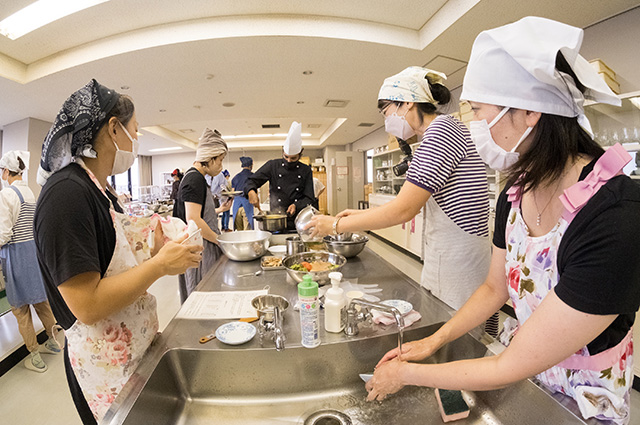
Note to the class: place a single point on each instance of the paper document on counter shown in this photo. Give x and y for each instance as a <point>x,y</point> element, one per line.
<point>219,305</point>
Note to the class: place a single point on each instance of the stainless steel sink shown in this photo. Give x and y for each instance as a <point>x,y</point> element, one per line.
<point>262,386</point>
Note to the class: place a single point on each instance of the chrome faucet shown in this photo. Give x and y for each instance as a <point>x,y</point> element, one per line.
<point>274,327</point>
<point>354,317</point>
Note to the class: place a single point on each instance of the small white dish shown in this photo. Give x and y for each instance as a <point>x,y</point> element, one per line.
<point>403,306</point>
<point>278,250</point>
<point>235,333</point>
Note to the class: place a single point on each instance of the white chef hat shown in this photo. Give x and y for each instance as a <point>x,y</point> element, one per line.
<point>514,65</point>
<point>411,85</point>
<point>293,144</point>
<point>10,161</point>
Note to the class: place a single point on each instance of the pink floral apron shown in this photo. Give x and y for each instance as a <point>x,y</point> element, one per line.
<point>600,383</point>
<point>104,355</point>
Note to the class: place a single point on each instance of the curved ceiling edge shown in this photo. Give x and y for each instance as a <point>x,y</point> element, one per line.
<point>214,28</point>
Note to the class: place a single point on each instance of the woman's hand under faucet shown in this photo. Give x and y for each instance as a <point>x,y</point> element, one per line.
<point>412,351</point>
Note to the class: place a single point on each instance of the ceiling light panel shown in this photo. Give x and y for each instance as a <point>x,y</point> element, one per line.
<point>41,13</point>
<point>336,103</point>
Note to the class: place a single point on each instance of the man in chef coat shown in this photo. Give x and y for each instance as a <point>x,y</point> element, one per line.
<point>290,181</point>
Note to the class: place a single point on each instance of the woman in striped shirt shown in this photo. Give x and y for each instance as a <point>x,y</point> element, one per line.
<point>446,173</point>
<point>25,286</point>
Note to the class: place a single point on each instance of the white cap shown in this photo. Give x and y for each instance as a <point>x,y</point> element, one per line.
<point>10,161</point>
<point>293,144</point>
<point>514,66</point>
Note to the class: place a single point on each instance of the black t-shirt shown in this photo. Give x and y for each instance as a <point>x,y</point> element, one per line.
<point>598,258</point>
<point>193,188</point>
<point>73,232</point>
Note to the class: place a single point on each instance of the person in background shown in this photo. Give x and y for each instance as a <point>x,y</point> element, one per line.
<point>25,287</point>
<point>96,263</point>
<point>226,215</point>
<point>566,234</point>
<point>196,203</point>
<point>176,175</point>
<point>290,181</point>
<point>446,173</point>
<point>318,189</point>
<point>238,183</point>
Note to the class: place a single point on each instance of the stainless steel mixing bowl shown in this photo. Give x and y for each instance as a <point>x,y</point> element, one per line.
<point>245,245</point>
<point>347,247</point>
<point>320,277</point>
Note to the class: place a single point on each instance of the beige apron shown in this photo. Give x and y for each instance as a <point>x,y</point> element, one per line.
<point>456,263</point>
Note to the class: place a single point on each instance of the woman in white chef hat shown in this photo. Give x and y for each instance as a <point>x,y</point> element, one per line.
<point>567,224</point>
<point>25,286</point>
<point>446,173</point>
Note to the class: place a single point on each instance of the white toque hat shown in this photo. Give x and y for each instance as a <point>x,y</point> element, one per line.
<point>515,66</point>
<point>293,144</point>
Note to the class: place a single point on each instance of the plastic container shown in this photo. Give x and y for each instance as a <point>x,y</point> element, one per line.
<point>309,312</point>
<point>334,302</point>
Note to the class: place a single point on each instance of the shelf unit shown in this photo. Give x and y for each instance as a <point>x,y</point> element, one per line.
<point>384,181</point>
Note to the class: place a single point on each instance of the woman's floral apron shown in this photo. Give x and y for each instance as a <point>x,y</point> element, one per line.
<point>104,355</point>
<point>600,383</point>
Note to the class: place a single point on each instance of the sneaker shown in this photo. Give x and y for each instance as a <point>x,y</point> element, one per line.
<point>51,346</point>
<point>34,362</point>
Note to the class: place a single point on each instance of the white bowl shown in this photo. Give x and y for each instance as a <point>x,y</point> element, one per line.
<point>278,250</point>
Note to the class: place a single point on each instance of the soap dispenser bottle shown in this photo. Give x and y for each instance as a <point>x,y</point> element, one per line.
<point>309,312</point>
<point>334,304</point>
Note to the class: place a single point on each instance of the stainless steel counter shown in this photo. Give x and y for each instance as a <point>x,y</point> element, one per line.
<point>185,367</point>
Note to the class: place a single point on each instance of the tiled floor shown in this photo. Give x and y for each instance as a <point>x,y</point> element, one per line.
<point>29,398</point>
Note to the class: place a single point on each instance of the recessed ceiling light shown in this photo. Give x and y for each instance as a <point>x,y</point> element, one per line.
<point>41,13</point>
<point>300,102</point>
<point>228,104</point>
<point>209,76</point>
<point>187,130</point>
<point>197,106</point>
<point>307,72</point>
<point>163,110</point>
<point>313,125</point>
<point>366,124</point>
<point>177,148</point>
<point>124,87</point>
<point>336,103</point>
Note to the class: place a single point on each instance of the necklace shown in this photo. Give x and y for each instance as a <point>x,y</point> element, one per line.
<point>553,195</point>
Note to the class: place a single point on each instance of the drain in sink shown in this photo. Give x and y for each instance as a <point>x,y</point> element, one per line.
<point>328,417</point>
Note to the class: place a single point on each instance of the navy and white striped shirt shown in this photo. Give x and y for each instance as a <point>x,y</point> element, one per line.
<point>447,164</point>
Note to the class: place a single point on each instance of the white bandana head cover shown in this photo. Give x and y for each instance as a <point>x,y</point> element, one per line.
<point>293,144</point>
<point>210,145</point>
<point>411,85</point>
<point>514,66</point>
<point>10,161</point>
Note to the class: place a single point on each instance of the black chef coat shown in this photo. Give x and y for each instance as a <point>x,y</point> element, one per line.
<point>286,186</point>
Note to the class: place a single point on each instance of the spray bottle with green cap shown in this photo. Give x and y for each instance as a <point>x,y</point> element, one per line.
<point>309,312</point>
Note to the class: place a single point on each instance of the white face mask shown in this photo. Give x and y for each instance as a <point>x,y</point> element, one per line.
<point>490,152</point>
<point>124,159</point>
<point>398,126</point>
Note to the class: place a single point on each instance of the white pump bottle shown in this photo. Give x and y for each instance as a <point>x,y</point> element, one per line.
<point>334,304</point>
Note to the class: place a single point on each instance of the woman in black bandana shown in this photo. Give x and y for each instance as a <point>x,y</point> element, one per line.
<point>95,266</point>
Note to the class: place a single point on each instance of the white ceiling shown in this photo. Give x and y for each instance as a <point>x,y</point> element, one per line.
<point>183,59</point>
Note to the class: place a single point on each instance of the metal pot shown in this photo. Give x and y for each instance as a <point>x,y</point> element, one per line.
<point>271,222</point>
<point>294,245</point>
<point>265,305</point>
